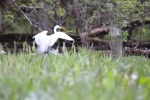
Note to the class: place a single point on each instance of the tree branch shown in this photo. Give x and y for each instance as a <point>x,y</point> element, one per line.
<point>32,9</point>
<point>35,25</point>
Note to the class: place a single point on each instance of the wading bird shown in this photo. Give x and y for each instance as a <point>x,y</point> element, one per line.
<point>45,42</point>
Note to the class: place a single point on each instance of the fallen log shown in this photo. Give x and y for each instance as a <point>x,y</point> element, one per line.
<point>98,42</point>
<point>138,52</point>
<point>127,51</point>
<point>133,43</point>
<point>99,31</point>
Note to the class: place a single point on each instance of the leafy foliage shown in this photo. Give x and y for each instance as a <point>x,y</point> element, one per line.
<point>124,36</point>
<point>145,33</point>
<point>82,14</point>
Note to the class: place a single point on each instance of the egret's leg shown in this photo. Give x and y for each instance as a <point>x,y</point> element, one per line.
<point>48,51</point>
<point>53,51</point>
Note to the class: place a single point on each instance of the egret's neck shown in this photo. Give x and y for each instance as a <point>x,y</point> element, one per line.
<point>55,30</point>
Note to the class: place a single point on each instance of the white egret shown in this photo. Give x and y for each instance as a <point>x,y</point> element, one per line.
<point>45,42</point>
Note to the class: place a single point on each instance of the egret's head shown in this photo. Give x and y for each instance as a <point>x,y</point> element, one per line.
<point>58,27</point>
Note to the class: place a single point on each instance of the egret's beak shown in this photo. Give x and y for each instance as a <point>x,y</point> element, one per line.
<point>63,27</point>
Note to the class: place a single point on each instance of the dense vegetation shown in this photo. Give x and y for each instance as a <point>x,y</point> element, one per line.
<point>30,16</point>
<point>85,75</point>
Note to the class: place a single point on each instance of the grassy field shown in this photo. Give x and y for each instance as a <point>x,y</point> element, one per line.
<point>86,75</point>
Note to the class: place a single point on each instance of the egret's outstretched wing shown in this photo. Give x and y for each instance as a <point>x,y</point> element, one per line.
<point>52,39</point>
<point>62,35</point>
<point>39,38</point>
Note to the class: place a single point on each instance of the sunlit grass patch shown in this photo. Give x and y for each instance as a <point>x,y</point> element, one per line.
<point>85,75</point>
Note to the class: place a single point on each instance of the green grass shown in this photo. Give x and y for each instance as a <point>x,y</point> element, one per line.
<point>86,75</point>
